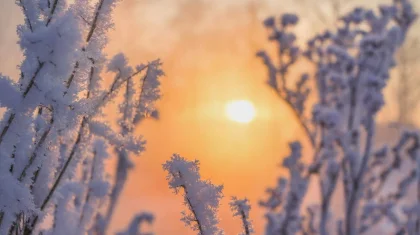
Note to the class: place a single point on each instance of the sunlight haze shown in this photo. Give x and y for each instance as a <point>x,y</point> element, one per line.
<point>208,52</point>
<point>242,111</point>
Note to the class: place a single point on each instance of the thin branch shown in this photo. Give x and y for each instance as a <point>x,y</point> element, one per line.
<point>7,126</point>
<point>326,199</point>
<point>22,5</point>
<point>88,194</point>
<point>54,6</point>
<point>299,119</point>
<point>32,81</point>
<point>67,163</point>
<point>38,146</point>
<point>200,227</point>
<point>357,182</point>
<point>137,117</point>
<point>70,79</point>
<point>116,87</point>
<point>1,217</point>
<point>95,21</point>
<point>89,36</point>
<point>245,224</point>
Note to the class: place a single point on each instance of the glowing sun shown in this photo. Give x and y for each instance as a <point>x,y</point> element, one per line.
<point>241,111</point>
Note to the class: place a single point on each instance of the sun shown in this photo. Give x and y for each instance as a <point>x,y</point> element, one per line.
<point>241,111</point>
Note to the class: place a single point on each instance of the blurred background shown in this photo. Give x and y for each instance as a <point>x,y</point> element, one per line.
<point>208,48</point>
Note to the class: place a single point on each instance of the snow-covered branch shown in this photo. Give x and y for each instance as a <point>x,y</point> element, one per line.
<point>200,196</point>
<point>241,208</point>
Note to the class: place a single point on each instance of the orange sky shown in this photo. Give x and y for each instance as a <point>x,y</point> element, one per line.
<point>208,54</point>
<point>211,65</point>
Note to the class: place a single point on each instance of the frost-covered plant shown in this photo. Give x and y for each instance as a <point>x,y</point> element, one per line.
<point>288,194</point>
<point>241,209</point>
<point>53,137</point>
<point>200,196</point>
<point>352,69</point>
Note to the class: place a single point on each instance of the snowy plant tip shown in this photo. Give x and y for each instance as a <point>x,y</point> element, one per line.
<point>241,208</point>
<point>201,197</point>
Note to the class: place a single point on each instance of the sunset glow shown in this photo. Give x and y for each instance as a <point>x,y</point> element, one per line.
<point>241,111</point>
<point>171,117</point>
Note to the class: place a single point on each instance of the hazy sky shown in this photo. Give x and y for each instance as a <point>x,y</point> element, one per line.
<point>208,52</point>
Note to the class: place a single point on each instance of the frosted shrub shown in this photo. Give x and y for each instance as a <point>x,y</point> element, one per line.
<point>352,65</point>
<point>53,137</point>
